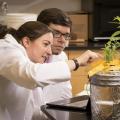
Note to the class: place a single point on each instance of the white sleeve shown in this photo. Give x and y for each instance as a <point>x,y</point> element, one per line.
<point>18,68</point>
<point>51,73</point>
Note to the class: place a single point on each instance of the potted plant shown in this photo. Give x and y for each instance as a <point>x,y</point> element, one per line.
<point>105,81</point>
<point>111,55</point>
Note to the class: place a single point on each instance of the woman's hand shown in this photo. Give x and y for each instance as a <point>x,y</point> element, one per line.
<point>88,57</point>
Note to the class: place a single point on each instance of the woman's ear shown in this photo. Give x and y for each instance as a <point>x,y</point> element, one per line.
<point>25,42</point>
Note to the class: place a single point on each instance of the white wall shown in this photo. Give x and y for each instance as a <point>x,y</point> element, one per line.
<point>35,6</point>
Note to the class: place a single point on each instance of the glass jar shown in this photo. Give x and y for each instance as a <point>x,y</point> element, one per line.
<point>105,95</point>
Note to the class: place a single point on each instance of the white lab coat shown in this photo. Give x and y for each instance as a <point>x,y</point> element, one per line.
<point>18,75</point>
<point>61,90</point>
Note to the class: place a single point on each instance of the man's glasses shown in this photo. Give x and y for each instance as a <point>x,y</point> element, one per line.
<point>58,34</point>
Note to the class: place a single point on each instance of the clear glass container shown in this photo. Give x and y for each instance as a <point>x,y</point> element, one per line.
<point>105,95</point>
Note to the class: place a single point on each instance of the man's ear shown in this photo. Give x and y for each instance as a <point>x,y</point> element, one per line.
<point>25,42</point>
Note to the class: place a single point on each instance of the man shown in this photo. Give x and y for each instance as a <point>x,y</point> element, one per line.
<point>61,25</point>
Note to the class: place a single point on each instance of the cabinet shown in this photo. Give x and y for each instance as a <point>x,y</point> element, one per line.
<point>79,77</point>
<point>79,26</point>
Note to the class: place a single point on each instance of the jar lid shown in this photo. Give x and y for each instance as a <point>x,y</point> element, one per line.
<point>110,78</point>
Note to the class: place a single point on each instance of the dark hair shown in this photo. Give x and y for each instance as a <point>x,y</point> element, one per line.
<point>31,29</point>
<point>55,16</point>
<point>3,31</point>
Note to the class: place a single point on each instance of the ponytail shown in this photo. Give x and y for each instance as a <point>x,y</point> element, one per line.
<point>5,30</point>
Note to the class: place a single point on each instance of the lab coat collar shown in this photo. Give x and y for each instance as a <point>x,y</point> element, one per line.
<point>11,39</point>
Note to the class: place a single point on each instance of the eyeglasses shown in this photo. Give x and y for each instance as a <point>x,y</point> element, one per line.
<point>58,34</point>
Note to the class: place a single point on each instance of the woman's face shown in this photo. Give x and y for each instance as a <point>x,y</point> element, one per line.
<point>40,49</point>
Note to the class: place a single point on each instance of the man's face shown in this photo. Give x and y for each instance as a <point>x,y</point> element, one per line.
<point>61,36</point>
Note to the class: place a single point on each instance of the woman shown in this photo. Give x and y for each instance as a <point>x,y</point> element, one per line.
<point>20,49</point>
<point>22,53</point>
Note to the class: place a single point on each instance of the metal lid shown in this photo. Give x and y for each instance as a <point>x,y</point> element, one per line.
<point>110,78</point>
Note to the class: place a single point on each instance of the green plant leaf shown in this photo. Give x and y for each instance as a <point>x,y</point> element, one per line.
<point>113,43</point>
